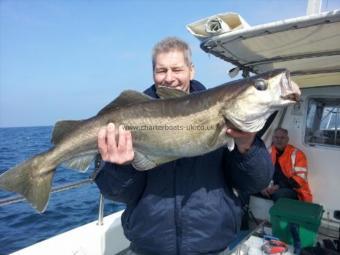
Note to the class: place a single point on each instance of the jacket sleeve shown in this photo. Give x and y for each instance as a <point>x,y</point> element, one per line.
<point>251,172</point>
<point>300,168</point>
<point>300,172</point>
<point>121,183</point>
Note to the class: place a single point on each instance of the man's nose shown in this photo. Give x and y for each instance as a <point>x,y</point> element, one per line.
<point>169,76</point>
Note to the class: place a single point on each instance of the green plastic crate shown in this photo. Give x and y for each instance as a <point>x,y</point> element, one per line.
<point>307,215</point>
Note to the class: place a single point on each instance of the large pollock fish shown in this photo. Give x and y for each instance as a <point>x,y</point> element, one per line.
<point>175,126</point>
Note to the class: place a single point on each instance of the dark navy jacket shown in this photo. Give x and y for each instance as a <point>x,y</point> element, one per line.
<point>186,206</point>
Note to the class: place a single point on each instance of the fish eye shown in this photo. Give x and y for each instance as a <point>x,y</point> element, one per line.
<point>261,84</point>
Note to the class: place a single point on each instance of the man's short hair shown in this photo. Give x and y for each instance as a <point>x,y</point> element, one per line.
<point>282,130</point>
<point>171,44</point>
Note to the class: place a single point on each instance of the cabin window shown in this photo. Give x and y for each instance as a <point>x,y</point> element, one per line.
<point>323,122</point>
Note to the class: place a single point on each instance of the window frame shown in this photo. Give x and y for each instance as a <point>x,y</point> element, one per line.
<point>307,105</point>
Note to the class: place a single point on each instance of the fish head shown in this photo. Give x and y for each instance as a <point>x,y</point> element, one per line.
<point>257,97</point>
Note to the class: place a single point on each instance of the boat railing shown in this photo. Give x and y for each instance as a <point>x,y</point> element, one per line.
<point>101,210</point>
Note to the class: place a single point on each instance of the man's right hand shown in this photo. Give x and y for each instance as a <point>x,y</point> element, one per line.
<point>115,145</point>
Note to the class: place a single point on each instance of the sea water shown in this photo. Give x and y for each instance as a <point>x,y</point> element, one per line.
<point>20,224</point>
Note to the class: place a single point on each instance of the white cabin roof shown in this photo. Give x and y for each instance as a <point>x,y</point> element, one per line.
<point>309,46</point>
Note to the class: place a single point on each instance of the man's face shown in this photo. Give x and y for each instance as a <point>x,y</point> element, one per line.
<point>280,139</point>
<point>172,71</point>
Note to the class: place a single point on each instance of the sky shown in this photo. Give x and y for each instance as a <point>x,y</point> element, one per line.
<point>68,59</point>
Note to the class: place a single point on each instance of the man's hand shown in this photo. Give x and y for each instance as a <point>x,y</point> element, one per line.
<point>270,190</point>
<point>115,145</point>
<point>243,140</point>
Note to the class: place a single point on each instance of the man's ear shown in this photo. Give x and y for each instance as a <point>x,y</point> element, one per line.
<point>192,72</point>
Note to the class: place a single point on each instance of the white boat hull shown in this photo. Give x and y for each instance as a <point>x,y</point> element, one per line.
<point>89,239</point>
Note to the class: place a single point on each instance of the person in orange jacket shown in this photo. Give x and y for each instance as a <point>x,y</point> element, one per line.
<point>290,176</point>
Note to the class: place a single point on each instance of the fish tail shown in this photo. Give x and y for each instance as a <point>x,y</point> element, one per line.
<point>32,179</point>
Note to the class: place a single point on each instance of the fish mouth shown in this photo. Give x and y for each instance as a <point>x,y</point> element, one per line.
<point>289,89</point>
<point>294,97</point>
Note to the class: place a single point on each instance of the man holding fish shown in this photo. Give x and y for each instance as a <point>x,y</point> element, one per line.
<point>190,205</point>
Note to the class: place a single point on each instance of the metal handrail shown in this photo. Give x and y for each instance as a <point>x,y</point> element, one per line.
<point>101,210</point>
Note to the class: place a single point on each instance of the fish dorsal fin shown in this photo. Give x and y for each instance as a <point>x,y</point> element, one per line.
<point>127,97</point>
<point>166,92</point>
<point>63,128</point>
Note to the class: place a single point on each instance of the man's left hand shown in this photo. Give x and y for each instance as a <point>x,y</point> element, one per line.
<point>243,140</point>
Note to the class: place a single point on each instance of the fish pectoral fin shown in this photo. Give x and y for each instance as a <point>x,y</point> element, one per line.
<point>229,141</point>
<point>63,128</point>
<point>220,137</point>
<point>142,162</point>
<point>166,92</point>
<point>80,162</point>
<point>127,97</point>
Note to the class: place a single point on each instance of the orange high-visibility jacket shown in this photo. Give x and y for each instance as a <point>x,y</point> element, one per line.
<point>293,163</point>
